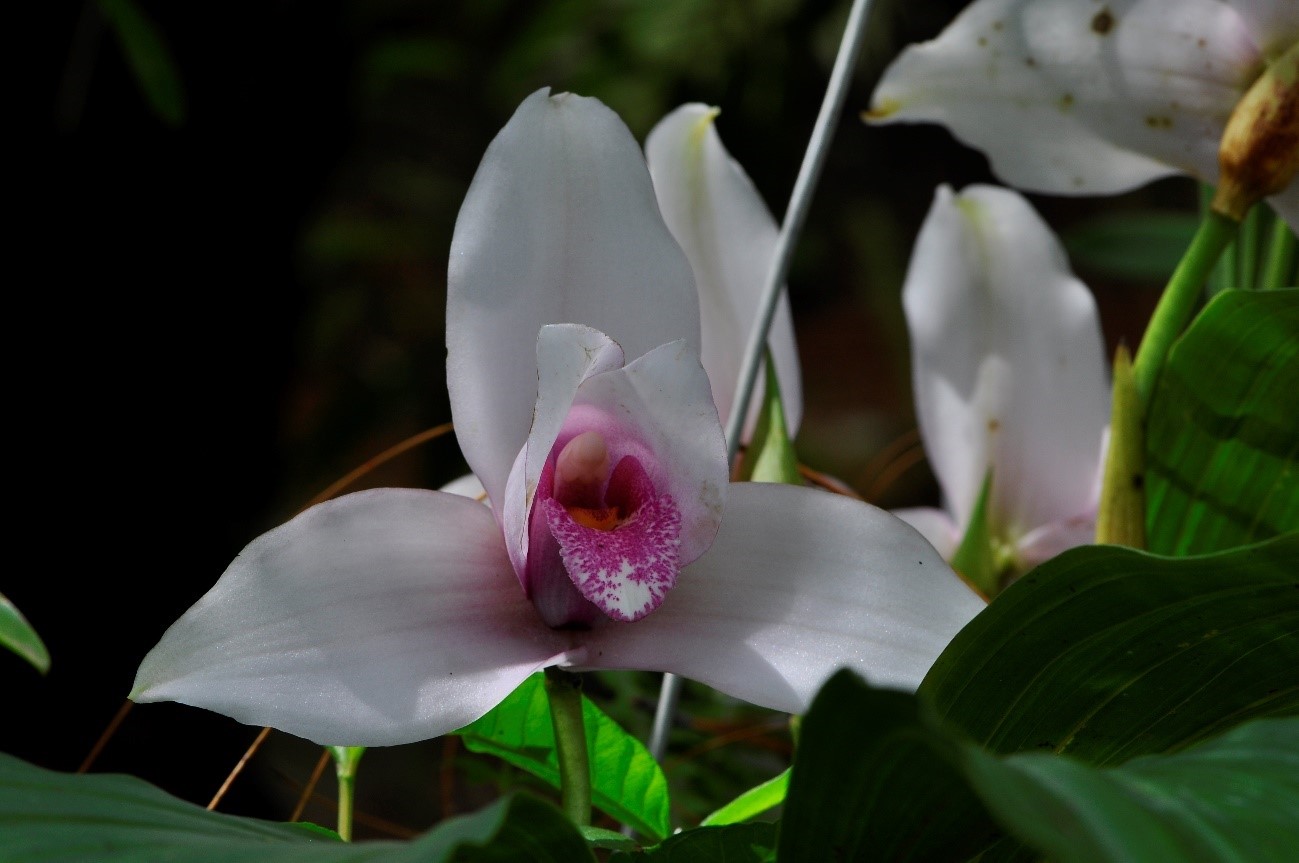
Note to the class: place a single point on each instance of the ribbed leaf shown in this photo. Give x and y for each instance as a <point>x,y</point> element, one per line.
<point>1233,799</point>
<point>873,767</point>
<point>1222,441</point>
<point>49,817</point>
<point>1107,653</point>
<point>871,782</point>
<point>751,803</point>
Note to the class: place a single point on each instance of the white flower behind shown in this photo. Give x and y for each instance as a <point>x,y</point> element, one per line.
<point>1010,377</point>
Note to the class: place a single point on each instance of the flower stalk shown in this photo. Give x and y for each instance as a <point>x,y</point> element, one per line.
<point>1180,297</point>
<point>1278,267</point>
<point>564,692</point>
<point>346,761</point>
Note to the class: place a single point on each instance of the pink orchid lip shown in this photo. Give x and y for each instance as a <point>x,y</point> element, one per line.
<point>603,543</point>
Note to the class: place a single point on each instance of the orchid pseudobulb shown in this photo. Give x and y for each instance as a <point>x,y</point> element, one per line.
<point>394,615</point>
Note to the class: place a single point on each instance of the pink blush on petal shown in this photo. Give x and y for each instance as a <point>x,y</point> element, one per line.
<point>626,572</point>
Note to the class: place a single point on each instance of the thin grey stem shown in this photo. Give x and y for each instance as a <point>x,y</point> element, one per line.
<point>800,201</point>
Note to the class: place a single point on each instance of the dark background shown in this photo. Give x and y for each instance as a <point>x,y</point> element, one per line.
<point>229,310</point>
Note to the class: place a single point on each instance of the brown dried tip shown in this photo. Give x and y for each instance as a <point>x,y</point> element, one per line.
<point>1259,155</point>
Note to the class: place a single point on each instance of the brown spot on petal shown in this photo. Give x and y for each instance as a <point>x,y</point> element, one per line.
<point>1103,22</point>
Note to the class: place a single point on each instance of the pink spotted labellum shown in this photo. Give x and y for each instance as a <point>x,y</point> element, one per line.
<point>581,405</point>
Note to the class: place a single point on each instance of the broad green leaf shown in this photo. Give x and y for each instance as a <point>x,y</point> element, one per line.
<point>733,843</point>
<point>1222,440</point>
<point>147,55</point>
<point>1140,245</point>
<point>871,782</point>
<point>771,456</point>
<point>627,783</point>
<point>872,755</point>
<point>751,803</point>
<point>1233,798</point>
<point>1106,653</point>
<point>19,636</point>
<point>50,817</point>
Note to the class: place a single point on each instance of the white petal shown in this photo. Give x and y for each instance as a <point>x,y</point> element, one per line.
<point>1273,23</point>
<point>934,525</point>
<point>729,236</point>
<point>467,486</point>
<point>1047,541</point>
<point>1079,98</point>
<point>1008,361</point>
<point>382,617</point>
<point>560,225</point>
<point>799,583</point>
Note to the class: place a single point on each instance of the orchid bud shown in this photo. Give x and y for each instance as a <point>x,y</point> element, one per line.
<point>1259,154</point>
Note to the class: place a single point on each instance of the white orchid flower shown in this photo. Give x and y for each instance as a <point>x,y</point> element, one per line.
<point>394,615</point>
<point>1089,98</point>
<point>1010,377</point>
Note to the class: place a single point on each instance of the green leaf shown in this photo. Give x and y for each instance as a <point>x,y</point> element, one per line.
<point>50,817</point>
<point>1222,440</point>
<point>1107,653</point>
<point>1137,245</point>
<point>871,782</point>
<point>19,636</point>
<point>1234,798</point>
<point>733,843</point>
<point>880,778</point>
<point>147,55</point>
<point>771,456</point>
<point>751,803</point>
<point>598,837</point>
<point>627,783</point>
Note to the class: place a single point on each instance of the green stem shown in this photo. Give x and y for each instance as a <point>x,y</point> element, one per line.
<point>1278,272</point>
<point>1247,241</point>
<point>1121,516</point>
<point>346,761</point>
<point>1224,273</point>
<point>565,695</point>
<point>1175,307</point>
